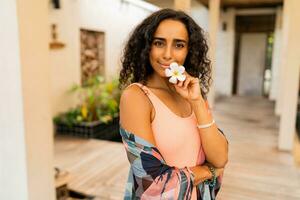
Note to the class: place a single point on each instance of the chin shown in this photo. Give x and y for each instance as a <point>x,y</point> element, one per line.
<point>161,73</point>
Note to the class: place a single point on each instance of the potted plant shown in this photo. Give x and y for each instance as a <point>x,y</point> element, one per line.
<point>97,114</point>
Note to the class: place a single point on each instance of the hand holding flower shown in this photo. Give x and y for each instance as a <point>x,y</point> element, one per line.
<point>186,85</point>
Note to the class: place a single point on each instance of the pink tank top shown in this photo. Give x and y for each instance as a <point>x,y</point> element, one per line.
<point>177,138</point>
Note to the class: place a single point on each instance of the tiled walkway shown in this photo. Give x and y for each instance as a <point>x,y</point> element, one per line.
<point>256,169</point>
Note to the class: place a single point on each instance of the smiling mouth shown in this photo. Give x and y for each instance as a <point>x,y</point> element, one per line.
<point>164,65</point>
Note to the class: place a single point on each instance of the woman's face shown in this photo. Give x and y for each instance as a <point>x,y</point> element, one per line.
<point>170,44</point>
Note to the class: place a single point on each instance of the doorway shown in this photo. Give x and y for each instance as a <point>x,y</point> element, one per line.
<point>253,55</point>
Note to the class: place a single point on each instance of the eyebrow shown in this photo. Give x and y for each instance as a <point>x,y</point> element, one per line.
<point>176,40</point>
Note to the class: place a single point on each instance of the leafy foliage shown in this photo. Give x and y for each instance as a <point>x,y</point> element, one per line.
<point>99,101</point>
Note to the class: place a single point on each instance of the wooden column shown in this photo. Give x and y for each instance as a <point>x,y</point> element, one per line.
<point>276,57</point>
<point>279,100</point>
<point>290,77</point>
<point>214,14</point>
<point>26,152</point>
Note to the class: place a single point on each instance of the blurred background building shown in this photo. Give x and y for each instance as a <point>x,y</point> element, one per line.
<point>46,46</point>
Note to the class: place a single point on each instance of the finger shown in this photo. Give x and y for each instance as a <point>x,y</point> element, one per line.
<point>195,80</point>
<point>219,171</point>
<point>180,83</point>
<point>186,83</point>
<point>219,174</point>
<point>187,74</point>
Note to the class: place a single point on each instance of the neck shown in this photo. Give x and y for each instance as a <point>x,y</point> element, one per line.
<point>156,81</point>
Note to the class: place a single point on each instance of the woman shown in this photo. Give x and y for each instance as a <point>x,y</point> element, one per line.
<point>174,147</point>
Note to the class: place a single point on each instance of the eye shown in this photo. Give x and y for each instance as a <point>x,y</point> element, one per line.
<point>158,43</point>
<point>179,45</point>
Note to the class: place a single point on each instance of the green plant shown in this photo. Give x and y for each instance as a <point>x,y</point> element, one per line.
<point>99,101</point>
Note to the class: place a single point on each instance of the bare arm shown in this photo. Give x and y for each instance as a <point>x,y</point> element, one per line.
<point>135,113</point>
<point>202,173</point>
<point>135,116</point>
<point>214,143</point>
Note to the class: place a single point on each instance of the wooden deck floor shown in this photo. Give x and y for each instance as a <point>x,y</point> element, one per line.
<point>256,169</point>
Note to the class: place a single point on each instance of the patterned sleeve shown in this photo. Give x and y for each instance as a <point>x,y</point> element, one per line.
<point>151,177</point>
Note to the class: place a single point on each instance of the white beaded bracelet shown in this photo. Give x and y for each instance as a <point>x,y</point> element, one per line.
<point>206,125</point>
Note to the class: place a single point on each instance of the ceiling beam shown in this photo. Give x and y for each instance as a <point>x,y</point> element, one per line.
<point>246,3</point>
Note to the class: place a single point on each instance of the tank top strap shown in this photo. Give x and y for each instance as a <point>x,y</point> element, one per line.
<point>156,102</point>
<point>143,87</point>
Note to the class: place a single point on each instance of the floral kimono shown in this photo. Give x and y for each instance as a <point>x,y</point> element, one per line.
<point>151,178</point>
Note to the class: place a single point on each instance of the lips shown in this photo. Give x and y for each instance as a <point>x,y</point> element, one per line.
<point>164,65</point>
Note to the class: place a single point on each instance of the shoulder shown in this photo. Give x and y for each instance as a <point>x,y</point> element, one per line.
<point>133,98</point>
<point>133,93</point>
<point>135,112</point>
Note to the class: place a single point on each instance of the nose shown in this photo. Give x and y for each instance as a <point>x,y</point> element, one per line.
<point>167,55</point>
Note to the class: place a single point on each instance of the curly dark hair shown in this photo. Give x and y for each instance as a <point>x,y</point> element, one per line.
<point>135,60</point>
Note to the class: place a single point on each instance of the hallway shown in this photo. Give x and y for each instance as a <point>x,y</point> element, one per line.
<point>256,169</point>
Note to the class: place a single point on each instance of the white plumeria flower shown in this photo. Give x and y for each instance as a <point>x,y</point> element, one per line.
<point>175,72</point>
